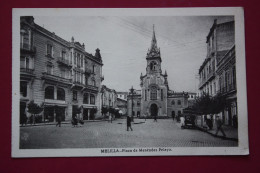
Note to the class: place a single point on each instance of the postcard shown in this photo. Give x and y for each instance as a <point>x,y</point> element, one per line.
<point>128,82</point>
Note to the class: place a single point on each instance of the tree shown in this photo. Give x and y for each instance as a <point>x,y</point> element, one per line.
<point>104,110</point>
<point>34,109</point>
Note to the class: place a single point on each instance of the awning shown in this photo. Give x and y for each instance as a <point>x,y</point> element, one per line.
<point>89,106</point>
<point>54,104</point>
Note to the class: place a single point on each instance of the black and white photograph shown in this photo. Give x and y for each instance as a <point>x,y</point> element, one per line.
<point>129,82</point>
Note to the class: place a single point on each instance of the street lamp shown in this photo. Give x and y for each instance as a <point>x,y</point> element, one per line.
<point>132,92</point>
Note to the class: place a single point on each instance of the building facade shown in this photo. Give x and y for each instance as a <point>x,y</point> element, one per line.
<point>108,97</point>
<point>217,72</point>
<point>57,74</point>
<point>155,98</point>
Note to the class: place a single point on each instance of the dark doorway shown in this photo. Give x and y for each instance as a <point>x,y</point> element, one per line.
<point>74,111</point>
<point>154,110</point>
<point>60,111</point>
<point>23,117</point>
<point>229,116</point>
<point>49,114</point>
<point>85,114</point>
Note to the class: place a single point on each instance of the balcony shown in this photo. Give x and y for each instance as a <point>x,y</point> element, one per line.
<point>27,73</point>
<point>64,62</point>
<point>27,48</point>
<point>228,89</point>
<point>88,71</point>
<point>55,79</point>
<point>91,87</point>
<point>78,85</point>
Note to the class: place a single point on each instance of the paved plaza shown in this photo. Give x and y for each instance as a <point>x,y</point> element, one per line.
<point>164,133</point>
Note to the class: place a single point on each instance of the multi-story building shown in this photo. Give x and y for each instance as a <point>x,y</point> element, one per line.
<point>216,75</point>
<point>108,97</point>
<point>122,95</point>
<point>226,73</point>
<point>155,98</point>
<point>57,74</point>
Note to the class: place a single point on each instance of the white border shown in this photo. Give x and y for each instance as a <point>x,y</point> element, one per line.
<point>238,12</point>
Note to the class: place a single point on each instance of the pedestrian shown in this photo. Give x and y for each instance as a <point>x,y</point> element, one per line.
<point>128,123</point>
<point>58,119</point>
<point>173,116</point>
<point>219,124</point>
<point>155,118</point>
<point>74,121</point>
<point>110,118</point>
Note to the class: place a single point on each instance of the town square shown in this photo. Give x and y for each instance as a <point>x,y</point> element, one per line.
<point>122,82</point>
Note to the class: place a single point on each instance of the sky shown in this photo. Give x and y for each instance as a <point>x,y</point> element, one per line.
<point>124,41</point>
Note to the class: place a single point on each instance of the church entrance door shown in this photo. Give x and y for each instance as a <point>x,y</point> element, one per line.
<point>154,110</point>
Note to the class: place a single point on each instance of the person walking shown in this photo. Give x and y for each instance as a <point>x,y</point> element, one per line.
<point>219,124</point>
<point>110,118</point>
<point>155,118</point>
<point>58,119</point>
<point>128,123</point>
<point>173,116</point>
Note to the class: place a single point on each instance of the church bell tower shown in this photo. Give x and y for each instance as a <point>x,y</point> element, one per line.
<point>153,57</point>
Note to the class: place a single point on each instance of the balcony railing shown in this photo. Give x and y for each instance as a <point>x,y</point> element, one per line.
<point>88,71</point>
<point>27,47</point>
<point>91,87</point>
<point>51,77</point>
<point>64,61</point>
<point>208,77</point>
<point>227,89</point>
<point>26,70</point>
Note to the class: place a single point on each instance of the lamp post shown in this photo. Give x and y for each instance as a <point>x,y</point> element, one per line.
<point>132,92</point>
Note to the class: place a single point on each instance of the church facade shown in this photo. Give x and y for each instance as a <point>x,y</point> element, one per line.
<point>155,98</point>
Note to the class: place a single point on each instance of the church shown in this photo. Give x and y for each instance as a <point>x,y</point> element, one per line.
<point>155,98</point>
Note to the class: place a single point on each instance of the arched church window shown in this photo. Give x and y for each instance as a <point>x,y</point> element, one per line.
<point>153,93</point>
<point>153,65</point>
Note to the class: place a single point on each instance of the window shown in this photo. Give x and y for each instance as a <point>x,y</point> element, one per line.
<point>152,65</point>
<point>75,95</point>
<point>60,94</point>
<point>63,73</point>
<point>173,102</point>
<point>153,93</point>
<point>49,50</point>
<point>179,102</point>
<point>145,95</point>
<point>161,94</point>
<point>92,99</point>
<point>179,112</point>
<point>49,69</point>
<point>63,54</point>
<point>24,62</point>
<point>23,88</point>
<point>138,103</point>
<point>85,98</point>
<point>86,80</point>
<point>25,39</point>
<point>49,92</point>
<point>93,82</point>
<point>93,68</point>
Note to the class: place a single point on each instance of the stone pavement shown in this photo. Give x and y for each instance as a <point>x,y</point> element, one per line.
<point>101,134</point>
<point>231,132</point>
